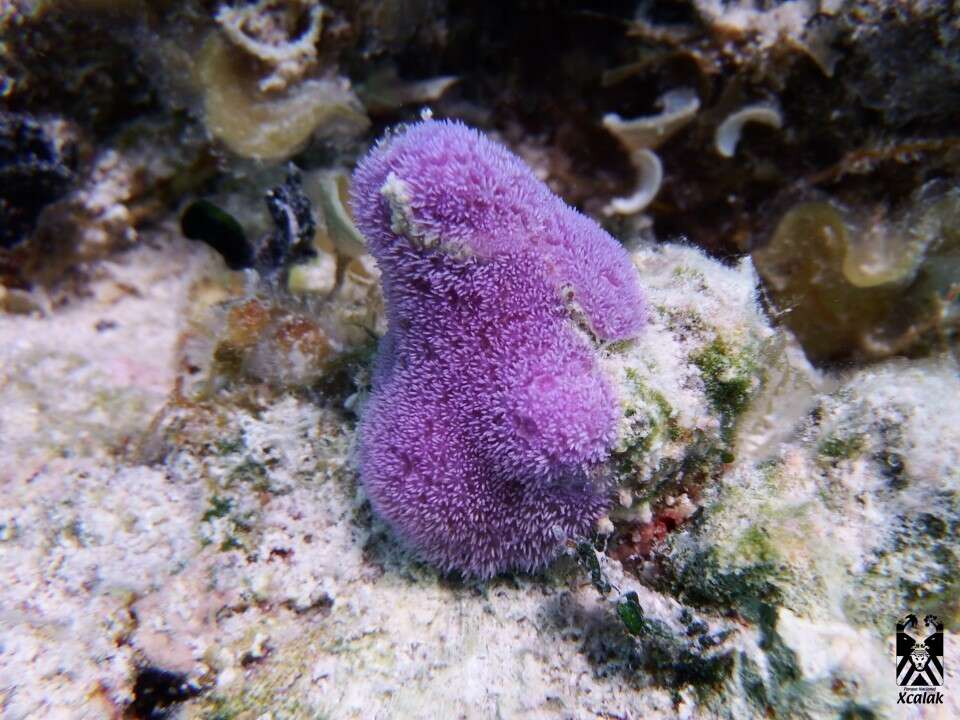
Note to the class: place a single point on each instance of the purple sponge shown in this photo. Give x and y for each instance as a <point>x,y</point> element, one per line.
<point>490,415</point>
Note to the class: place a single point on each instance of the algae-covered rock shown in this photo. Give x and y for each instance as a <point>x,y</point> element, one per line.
<point>67,545</point>
<point>835,536</point>
<point>278,590</point>
<point>684,384</point>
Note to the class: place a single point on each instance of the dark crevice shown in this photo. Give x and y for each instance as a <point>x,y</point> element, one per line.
<point>157,691</point>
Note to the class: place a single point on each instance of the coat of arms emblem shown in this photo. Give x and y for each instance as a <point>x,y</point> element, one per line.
<point>919,656</point>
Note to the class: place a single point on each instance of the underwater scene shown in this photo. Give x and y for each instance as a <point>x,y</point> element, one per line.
<point>451,359</point>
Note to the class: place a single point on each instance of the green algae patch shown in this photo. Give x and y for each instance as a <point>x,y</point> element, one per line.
<point>230,445</point>
<point>672,659</point>
<point>729,379</point>
<point>252,472</point>
<point>248,705</point>
<point>650,425</point>
<point>219,507</point>
<point>842,448</point>
<point>757,547</point>
<point>631,613</point>
<point>703,583</point>
<point>651,414</point>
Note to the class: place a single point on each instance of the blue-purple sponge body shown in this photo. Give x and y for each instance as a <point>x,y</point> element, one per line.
<point>489,419</point>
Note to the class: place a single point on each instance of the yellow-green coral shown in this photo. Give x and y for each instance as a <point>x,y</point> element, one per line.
<point>867,284</point>
<point>270,124</point>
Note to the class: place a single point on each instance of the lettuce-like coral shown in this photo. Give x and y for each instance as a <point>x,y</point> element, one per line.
<point>490,414</point>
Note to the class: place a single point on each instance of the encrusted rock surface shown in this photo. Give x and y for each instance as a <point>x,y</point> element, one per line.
<point>222,537</point>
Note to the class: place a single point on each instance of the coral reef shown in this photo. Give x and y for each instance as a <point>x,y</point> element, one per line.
<point>489,412</point>
<point>275,562</point>
<point>770,466</point>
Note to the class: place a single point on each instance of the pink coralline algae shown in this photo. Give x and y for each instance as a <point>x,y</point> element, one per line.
<point>482,442</point>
